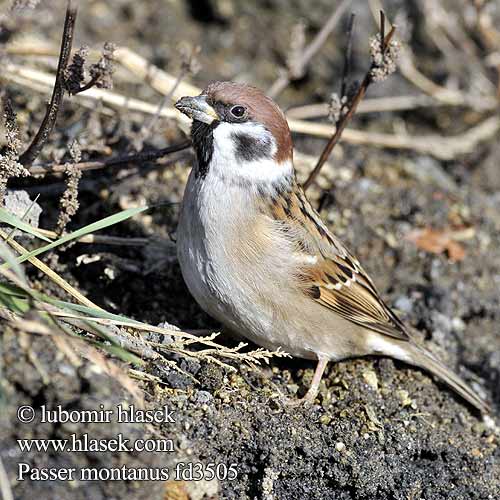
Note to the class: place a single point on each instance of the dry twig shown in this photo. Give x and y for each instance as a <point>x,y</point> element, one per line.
<point>375,105</point>
<point>309,52</point>
<point>440,147</point>
<point>141,157</point>
<point>382,65</point>
<point>50,117</point>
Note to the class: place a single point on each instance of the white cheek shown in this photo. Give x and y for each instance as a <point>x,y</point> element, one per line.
<point>227,165</point>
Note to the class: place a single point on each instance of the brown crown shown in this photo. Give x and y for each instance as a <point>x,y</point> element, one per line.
<point>261,109</point>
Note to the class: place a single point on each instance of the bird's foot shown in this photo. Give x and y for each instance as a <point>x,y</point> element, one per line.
<point>307,400</point>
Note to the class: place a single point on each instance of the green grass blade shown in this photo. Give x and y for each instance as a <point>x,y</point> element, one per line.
<point>9,258</point>
<point>90,311</point>
<point>15,304</point>
<point>8,218</point>
<point>15,291</point>
<point>91,228</point>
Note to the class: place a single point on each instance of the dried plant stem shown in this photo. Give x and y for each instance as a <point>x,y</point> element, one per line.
<point>102,239</point>
<point>375,105</point>
<point>441,94</point>
<point>310,51</point>
<point>143,156</point>
<point>41,81</point>
<point>438,146</point>
<point>345,118</point>
<point>50,117</point>
<point>158,79</point>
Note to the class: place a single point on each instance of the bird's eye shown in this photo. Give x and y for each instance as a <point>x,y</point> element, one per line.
<point>238,111</point>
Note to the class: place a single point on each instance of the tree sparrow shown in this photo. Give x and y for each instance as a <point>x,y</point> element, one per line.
<point>256,255</point>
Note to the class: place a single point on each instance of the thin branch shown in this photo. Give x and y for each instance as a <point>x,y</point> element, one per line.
<point>148,127</point>
<point>431,145</point>
<point>50,117</point>
<point>345,118</point>
<point>310,51</point>
<point>382,30</point>
<point>347,57</point>
<point>374,105</point>
<point>88,85</point>
<point>438,146</point>
<point>142,157</point>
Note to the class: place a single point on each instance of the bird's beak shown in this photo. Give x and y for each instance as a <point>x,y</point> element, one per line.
<point>197,108</point>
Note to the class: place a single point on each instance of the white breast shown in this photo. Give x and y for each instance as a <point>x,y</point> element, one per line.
<point>231,258</point>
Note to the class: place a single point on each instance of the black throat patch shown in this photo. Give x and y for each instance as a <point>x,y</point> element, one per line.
<point>202,136</point>
<point>250,148</point>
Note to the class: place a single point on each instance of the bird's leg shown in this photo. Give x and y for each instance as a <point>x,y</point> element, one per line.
<point>318,375</point>
<point>314,387</point>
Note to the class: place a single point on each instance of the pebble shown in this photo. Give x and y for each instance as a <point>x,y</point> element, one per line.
<point>203,397</point>
<point>370,377</point>
<point>404,304</point>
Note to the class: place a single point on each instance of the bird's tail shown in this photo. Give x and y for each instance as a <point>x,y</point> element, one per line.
<point>426,360</point>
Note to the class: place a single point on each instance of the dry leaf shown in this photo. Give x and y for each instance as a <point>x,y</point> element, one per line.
<point>438,241</point>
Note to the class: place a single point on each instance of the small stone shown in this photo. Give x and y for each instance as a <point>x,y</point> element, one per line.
<point>20,204</point>
<point>404,398</point>
<point>325,419</point>
<point>340,446</point>
<point>458,324</point>
<point>203,397</point>
<point>404,304</point>
<point>370,377</point>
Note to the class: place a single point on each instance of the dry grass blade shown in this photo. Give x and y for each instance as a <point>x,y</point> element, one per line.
<point>375,105</point>
<point>5,488</point>
<point>50,273</point>
<point>438,146</point>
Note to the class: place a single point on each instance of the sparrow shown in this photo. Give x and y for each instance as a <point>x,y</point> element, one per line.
<point>257,257</point>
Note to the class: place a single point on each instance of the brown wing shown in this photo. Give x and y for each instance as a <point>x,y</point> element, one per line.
<point>349,292</point>
<point>335,278</point>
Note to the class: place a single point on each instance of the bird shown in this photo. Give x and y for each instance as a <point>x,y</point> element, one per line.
<point>257,256</point>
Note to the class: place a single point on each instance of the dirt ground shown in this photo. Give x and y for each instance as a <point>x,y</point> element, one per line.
<point>382,430</point>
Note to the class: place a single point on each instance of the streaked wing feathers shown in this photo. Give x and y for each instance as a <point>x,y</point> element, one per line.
<point>336,279</point>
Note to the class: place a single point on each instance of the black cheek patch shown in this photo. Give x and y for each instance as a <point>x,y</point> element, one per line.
<point>250,148</point>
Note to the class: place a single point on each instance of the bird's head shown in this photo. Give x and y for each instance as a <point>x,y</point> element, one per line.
<point>239,134</point>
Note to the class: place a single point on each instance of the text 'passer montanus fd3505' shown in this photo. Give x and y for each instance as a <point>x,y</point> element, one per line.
<point>257,257</point>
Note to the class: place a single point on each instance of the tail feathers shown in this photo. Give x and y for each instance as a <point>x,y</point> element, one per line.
<point>424,359</point>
